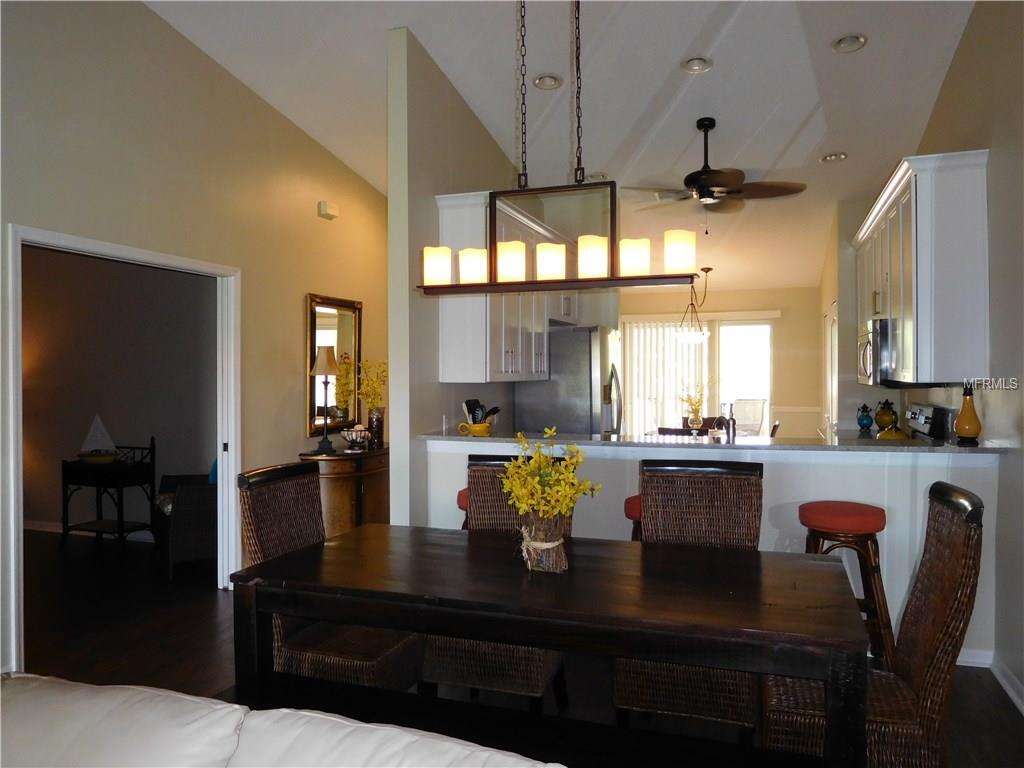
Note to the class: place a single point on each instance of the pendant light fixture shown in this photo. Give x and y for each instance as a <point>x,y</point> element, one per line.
<point>554,260</point>
<point>691,327</point>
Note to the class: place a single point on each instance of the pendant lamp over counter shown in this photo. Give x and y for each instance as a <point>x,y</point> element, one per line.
<point>556,238</point>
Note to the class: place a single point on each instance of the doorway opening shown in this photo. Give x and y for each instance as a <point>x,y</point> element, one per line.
<point>31,348</point>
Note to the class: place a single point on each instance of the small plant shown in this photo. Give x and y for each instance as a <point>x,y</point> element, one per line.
<point>373,382</point>
<point>694,401</point>
<point>539,484</point>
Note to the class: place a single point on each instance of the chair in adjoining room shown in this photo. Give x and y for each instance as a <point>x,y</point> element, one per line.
<point>701,504</point>
<point>475,664</point>
<point>281,512</point>
<point>749,415</point>
<point>906,707</point>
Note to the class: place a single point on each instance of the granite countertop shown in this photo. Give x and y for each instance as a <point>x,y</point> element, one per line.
<point>844,441</point>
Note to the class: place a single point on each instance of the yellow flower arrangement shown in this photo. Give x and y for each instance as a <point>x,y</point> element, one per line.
<point>695,401</point>
<point>538,484</point>
<point>373,381</point>
<point>344,383</point>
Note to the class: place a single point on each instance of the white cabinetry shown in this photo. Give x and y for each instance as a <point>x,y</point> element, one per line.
<point>922,265</point>
<point>492,337</point>
<point>564,307</point>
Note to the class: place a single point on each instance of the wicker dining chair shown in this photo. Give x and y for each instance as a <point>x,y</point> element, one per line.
<point>905,707</point>
<point>476,664</point>
<point>281,512</point>
<point>703,504</point>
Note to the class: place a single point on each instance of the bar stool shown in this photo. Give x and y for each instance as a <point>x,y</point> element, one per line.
<point>853,525</point>
<point>633,510</point>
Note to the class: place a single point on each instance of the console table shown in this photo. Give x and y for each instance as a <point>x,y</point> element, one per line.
<point>354,488</point>
<point>133,466</point>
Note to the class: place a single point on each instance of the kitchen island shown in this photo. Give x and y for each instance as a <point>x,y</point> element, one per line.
<point>894,475</point>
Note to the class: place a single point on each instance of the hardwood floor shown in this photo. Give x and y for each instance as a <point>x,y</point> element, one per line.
<point>99,616</point>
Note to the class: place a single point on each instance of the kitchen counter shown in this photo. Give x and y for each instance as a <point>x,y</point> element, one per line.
<point>844,441</point>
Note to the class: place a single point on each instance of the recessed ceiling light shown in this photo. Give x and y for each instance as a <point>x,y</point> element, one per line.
<point>547,81</point>
<point>849,43</point>
<point>832,157</point>
<point>697,65</point>
<point>599,176</point>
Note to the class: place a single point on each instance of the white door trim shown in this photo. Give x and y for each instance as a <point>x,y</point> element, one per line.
<point>11,481</point>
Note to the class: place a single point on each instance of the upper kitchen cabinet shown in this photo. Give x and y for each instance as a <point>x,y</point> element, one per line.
<point>922,271</point>
<point>564,307</point>
<point>493,337</point>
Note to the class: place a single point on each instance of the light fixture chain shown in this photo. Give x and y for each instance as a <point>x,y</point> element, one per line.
<point>523,183</point>
<point>580,174</point>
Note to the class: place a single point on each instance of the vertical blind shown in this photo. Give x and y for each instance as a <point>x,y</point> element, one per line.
<point>659,366</point>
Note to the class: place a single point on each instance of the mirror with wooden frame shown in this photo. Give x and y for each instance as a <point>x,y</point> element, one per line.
<point>334,323</point>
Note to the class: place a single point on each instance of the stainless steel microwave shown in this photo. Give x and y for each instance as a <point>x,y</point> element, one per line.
<point>874,360</point>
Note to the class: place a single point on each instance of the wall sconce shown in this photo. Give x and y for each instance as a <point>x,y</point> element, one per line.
<point>511,261</point>
<point>634,257</point>
<point>680,252</point>
<point>591,257</point>
<point>437,265</point>
<point>550,261</point>
<point>472,265</point>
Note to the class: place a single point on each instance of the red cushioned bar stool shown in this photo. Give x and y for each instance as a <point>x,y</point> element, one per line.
<point>632,510</point>
<point>853,525</point>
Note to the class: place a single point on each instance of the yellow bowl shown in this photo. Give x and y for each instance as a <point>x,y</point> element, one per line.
<point>476,430</point>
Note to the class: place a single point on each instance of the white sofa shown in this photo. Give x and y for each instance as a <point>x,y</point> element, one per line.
<point>52,722</point>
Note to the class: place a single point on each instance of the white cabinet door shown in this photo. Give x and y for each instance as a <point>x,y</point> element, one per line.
<point>505,337</point>
<point>901,284</point>
<point>536,331</point>
<point>564,307</point>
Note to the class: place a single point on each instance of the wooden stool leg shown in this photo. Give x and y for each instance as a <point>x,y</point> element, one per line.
<point>881,605</point>
<point>813,545</point>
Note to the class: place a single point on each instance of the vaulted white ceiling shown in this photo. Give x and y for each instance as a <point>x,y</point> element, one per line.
<point>782,98</point>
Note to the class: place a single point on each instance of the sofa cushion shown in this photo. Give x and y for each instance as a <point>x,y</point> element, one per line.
<point>287,737</point>
<point>51,722</point>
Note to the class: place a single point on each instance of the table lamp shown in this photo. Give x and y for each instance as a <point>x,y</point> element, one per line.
<point>326,364</point>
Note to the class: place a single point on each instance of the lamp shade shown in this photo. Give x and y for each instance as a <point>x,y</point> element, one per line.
<point>680,252</point>
<point>634,257</point>
<point>326,364</point>
<point>550,261</point>
<point>437,265</point>
<point>472,265</point>
<point>511,261</point>
<point>591,256</point>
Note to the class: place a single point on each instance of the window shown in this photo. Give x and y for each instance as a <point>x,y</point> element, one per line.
<point>659,366</point>
<point>745,373</point>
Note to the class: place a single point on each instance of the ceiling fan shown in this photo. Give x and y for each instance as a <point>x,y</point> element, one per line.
<point>720,190</point>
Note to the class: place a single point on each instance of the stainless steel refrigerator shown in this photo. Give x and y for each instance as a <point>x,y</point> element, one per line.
<point>584,394</point>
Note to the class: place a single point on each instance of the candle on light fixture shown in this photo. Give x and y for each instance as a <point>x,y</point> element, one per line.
<point>680,252</point>
<point>472,265</point>
<point>437,265</point>
<point>511,261</point>
<point>634,257</point>
<point>550,261</point>
<point>592,256</point>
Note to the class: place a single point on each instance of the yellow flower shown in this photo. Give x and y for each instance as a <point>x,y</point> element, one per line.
<point>538,484</point>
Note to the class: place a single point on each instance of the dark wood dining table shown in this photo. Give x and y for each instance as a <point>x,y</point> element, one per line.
<point>764,612</point>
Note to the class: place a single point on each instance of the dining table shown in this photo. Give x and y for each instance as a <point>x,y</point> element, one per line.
<point>778,613</point>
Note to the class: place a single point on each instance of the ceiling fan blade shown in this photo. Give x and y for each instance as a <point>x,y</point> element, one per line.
<point>761,189</point>
<point>726,205</point>
<point>659,204</point>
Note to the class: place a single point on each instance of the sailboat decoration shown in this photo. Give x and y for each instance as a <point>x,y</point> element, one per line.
<point>98,447</point>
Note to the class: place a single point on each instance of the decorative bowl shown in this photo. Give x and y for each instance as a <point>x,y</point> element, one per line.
<point>357,437</point>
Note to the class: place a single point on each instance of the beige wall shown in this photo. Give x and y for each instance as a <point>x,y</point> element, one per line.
<point>980,106</point>
<point>436,145</point>
<point>135,345</point>
<point>116,128</point>
<point>796,342</point>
